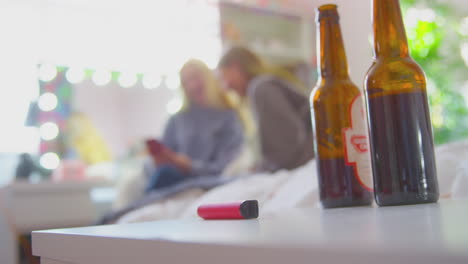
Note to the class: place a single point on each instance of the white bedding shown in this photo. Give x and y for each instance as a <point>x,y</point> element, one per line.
<point>297,188</point>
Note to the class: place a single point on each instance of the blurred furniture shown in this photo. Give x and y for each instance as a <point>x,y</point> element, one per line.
<point>428,233</point>
<point>25,207</point>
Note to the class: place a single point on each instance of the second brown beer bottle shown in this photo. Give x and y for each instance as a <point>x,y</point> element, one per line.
<point>402,146</point>
<point>338,117</point>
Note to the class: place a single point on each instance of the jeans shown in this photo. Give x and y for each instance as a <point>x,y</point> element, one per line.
<point>164,176</point>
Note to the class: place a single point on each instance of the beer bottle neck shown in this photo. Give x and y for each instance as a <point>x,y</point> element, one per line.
<point>332,60</point>
<point>389,31</point>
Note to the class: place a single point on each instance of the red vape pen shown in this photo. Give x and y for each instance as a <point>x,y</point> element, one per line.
<point>240,210</point>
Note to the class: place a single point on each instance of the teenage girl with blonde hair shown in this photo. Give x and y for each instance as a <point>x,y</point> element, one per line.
<point>203,137</point>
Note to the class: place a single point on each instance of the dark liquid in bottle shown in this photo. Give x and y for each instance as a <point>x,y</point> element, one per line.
<point>339,186</point>
<point>402,149</point>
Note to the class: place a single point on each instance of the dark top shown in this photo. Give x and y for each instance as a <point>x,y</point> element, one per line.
<point>283,122</point>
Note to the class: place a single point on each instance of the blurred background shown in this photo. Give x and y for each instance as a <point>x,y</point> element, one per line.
<point>83,82</point>
<point>114,64</point>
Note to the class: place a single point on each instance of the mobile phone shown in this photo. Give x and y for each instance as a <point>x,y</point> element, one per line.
<point>154,146</point>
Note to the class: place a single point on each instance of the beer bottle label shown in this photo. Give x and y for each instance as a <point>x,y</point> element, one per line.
<point>356,143</point>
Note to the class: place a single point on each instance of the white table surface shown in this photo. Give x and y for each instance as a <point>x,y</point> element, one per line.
<point>25,207</point>
<point>431,233</point>
<point>51,205</point>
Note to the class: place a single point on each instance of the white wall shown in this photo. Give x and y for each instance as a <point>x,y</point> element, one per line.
<point>18,82</point>
<point>355,21</point>
<point>123,115</point>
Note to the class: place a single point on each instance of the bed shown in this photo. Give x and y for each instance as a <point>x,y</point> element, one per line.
<point>287,189</point>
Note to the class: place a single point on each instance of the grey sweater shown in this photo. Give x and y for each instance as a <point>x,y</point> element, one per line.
<point>210,137</point>
<point>283,122</point>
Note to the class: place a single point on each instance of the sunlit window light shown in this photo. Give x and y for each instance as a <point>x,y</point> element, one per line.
<point>75,75</point>
<point>47,102</point>
<point>437,116</point>
<point>49,160</point>
<point>47,72</point>
<point>172,81</point>
<point>464,52</point>
<point>48,131</point>
<point>431,86</point>
<point>465,91</point>
<point>428,39</point>
<point>151,81</point>
<point>127,80</point>
<point>414,15</point>
<point>464,26</point>
<point>101,78</point>
<point>174,105</point>
<point>427,15</point>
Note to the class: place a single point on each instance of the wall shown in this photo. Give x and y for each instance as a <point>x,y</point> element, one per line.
<point>123,115</point>
<point>355,20</point>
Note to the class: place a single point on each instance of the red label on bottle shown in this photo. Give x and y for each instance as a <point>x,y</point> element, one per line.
<point>356,143</point>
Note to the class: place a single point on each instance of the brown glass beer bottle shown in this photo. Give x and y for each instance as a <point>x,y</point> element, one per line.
<point>338,117</point>
<point>402,147</point>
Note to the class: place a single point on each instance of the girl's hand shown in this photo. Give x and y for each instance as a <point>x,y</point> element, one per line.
<point>160,159</point>
<point>181,161</point>
<point>163,157</point>
<point>169,157</point>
